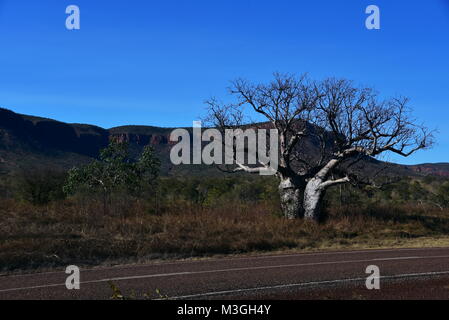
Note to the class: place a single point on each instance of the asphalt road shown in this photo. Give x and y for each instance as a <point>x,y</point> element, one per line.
<point>404,274</point>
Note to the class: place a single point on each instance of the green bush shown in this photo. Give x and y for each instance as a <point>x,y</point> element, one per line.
<point>41,187</point>
<point>115,173</point>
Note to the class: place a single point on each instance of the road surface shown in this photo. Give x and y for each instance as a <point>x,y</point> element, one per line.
<point>404,274</point>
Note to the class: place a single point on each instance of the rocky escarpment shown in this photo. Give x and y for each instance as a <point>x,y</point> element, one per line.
<point>40,134</point>
<point>434,169</point>
<point>45,135</point>
<point>32,142</point>
<point>141,139</point>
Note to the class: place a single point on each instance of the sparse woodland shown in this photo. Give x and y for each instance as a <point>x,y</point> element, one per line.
<point>119,209</point>
<point>191,217</point>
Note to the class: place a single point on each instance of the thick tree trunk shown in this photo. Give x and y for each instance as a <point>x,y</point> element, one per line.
<point>313,196</point>
<point>291,196</point>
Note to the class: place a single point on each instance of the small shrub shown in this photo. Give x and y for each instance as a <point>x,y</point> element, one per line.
<point>41,187</point>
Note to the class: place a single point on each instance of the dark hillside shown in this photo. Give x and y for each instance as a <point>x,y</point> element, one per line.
<point>30,142</point>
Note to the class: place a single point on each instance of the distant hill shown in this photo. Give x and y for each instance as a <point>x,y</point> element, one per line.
<point>33,143</point>
<point>435,169</point>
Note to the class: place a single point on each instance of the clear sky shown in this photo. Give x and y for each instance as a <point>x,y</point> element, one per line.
<point>155,62</point>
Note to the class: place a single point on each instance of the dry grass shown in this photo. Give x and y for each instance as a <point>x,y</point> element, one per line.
<point>77,232</point>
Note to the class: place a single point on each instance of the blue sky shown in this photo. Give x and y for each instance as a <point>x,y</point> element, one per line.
<point>155,62</point>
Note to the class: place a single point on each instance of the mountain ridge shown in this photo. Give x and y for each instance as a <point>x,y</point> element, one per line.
<point>28,141</point>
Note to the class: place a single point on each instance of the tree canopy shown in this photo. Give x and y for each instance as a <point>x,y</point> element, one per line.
<point>346,123</point>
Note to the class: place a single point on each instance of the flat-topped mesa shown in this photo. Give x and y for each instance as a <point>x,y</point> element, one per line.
<point>140,139</point>
<point>57,144</point>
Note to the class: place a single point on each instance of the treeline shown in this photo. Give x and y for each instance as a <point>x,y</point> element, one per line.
<point>41,188</point>
<point>115,176</point>
<point>425,191</point>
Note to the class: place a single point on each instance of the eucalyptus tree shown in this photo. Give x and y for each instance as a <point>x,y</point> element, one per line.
<point>115,171</point>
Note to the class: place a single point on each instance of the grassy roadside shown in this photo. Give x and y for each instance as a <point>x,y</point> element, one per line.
<point>76,232</point>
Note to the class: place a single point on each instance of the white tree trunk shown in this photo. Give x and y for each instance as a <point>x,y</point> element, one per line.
<point>291,197</point>
<point>313,195</point>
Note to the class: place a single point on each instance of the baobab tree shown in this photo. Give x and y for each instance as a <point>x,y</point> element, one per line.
<point>344,123</point>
